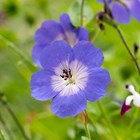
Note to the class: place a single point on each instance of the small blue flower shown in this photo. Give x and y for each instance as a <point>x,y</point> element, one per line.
<point>70,76</point>
<point>122,10</point>
<point>51,31</point>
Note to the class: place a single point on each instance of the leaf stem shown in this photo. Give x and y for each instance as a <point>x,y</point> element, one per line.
<point>4,102</point>
<point>135,116</point>
<point>113,23</point>
<point>82,11</point>
<point>86,125</point>
<point>18,51</point>
<point>1,135</point>
<point>127,47</point>
<point>6,127</point>
<point>108,121</point>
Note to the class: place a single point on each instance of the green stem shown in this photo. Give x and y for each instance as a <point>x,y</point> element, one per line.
<point>127,47</point>
<point>105,4</point>
<point>108,121</point>
<point>112,23</point>
<point>87,131</point>
<point>82,9</point>
<point>14,118</point>
<point>5,127</point>
<point>1,135</point>
<point>86,125</point>
<point>95,35</point>
<point>135,116</point>
<point>18,51</point>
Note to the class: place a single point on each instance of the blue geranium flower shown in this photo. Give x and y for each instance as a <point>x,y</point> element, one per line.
<point>70,76</point>
<point>51,31</point>
<point>122,10</point>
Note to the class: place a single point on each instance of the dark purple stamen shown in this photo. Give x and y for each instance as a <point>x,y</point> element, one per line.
<point>66,74</point>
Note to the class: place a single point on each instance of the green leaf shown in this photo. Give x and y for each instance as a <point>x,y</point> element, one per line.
<point>19,52</point>
<point>1,135</point>
<point>84,138</point>
<point>75,14</point>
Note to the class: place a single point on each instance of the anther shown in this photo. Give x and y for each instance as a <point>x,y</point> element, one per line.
<point>66,74</point>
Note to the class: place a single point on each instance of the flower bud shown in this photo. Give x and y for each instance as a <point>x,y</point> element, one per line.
<point>136,48</point>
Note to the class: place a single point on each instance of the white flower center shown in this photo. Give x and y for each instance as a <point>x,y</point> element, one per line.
<point>70,78</point>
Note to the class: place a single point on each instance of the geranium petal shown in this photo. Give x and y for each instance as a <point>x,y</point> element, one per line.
<point>72,33</point>
<point>69,105</point>
<point>55,54</point>
<point>134,7</point>
<point>36,53</point>
<point>41,85</point>
<point>88,54</point>
<point>98,81</point>
<point>66,23</point>
<point>120,13</point>
<point>108,1</point>
<point>82,34</point>
<point>49,32</point>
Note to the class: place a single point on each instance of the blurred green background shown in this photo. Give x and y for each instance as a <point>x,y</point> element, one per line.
<point>19,19</point>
